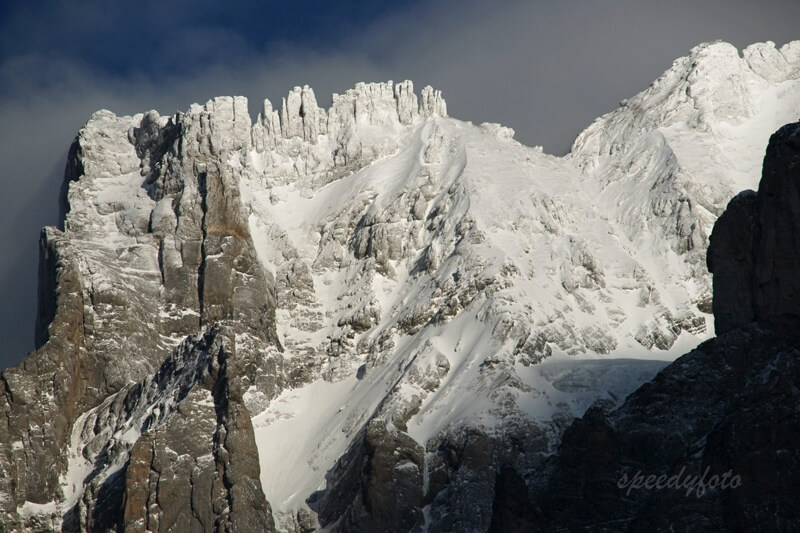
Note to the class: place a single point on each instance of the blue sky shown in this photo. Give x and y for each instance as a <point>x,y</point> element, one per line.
<point>547,69</point>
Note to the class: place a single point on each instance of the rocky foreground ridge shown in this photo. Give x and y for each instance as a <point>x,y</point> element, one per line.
<point>371,316</point>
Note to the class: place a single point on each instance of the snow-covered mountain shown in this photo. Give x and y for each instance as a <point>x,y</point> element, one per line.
<point>360,315</point>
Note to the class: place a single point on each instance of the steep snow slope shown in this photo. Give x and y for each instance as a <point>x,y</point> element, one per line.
<point>669,159</point>
<point>458,257</point>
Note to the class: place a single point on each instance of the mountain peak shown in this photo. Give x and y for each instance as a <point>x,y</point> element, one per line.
<point>366,104</point>
<point>439,285</point>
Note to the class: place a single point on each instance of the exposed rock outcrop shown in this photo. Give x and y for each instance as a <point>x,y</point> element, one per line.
<point>726,412</point>
<point>155,247</point>
<point>731,256</point>
<point>754,252</point>
<point>42,396</point>
<point>461,480</point>
<point>391,495</point>
<point>199,471</point>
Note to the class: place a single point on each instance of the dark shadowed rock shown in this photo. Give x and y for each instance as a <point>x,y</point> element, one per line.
<point>42,396</point>
<point>731,258</point>
<point>728,407</point>
<point>778,245</point>
<point>754,252</point>
<point>391,491</point>
<point>468,480</point>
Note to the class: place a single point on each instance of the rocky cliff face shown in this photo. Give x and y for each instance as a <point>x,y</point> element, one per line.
<point>208,442</point>
<point>155,247</point>
<point>723,421</point>
<point>370,316</point>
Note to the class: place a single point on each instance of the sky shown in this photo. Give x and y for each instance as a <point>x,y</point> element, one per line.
<point>545,68</point>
